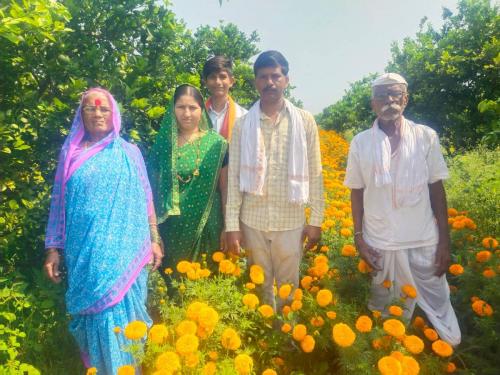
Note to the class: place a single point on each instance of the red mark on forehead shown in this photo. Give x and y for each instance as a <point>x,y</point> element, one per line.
<point>97,102</point>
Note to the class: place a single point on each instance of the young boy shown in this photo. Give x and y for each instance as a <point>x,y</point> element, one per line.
<point>218,78</point>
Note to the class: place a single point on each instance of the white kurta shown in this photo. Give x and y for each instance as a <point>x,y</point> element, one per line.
<point>217,118</point>
<point>405,237</point>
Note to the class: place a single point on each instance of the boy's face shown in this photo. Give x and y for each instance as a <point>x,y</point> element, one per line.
<point>219,83</point>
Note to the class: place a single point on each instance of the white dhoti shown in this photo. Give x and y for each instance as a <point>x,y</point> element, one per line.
<point>416,267</point>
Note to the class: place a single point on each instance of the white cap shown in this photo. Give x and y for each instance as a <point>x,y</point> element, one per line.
<point>389,79</point>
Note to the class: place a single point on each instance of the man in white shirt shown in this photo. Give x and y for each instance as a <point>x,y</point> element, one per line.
<point>217,76</point>
<point>395,171</point>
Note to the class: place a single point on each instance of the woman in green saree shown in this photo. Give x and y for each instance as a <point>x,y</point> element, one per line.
<point>188,169</point>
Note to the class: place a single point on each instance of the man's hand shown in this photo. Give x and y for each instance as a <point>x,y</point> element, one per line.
<point>157,251</point>
<point>233,242</point>
<point>223,241</point>
<point>367,253</point>
<point>442,258</point>
<point>313,235</point>
<point>51,265</point>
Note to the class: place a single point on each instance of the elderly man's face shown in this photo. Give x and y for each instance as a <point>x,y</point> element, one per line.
<point>389,101</point>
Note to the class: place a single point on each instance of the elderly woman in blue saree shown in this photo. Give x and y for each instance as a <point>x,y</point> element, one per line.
<point>102,220</point>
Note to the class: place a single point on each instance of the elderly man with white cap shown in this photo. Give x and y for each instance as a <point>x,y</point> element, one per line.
<point>395,171</point>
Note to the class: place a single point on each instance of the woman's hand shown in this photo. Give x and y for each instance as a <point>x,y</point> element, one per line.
<point>157,255</point>
<point>51,265</point>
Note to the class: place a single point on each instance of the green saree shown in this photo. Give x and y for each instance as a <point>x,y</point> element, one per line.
<point>185,187</point>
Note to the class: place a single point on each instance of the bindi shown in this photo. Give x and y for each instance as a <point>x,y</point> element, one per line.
<point>97,102</point>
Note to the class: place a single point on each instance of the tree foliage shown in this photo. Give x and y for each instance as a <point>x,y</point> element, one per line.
<point>453,76</point>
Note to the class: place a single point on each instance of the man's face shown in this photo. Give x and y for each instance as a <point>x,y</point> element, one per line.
<point>219,83</point>
<point>389,101</point>
<point>271,83</point>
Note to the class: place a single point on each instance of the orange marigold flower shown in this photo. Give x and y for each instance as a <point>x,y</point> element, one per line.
<point>226,266</point>
<point>213,355</point>
<point>483,256</point>
<point>418,322</point>
<point>409,365</point>
<point>413,344</point>
<point>278,361</point>
<point>296,305</point>
<point>343,335</point>
<point>456,269</point>
<point>489,273</point>
<point>387,284</point>
<point>450,368</point>
<point>394,327</point>
<point>193,310</point>
<point>285,328</point>
<point>458,224</point>
<point>344,232</point>
<point>299,332</point>
<point>158,334</point>
<point>452,212</point>
<point>389,366</point>
<point>257,274</point>
<point>331,314</point>
<point>324,249</point>
<point>218,256</point>
<point>230,339</point>
<point>286,310</point>
<point>285,291</point>
<point>324,297</point>
<point>395,310</point>
<point>251,301</point>
<point>266,311</point>
<point>442,348</point>
<point>364,324</point>
<point>306,282</point>
<point>250,286</point>
<point>135,330</point>
<point>320,259</point>
<point>91,371</point>
<point>489,243</point>
<point>363,267</point>
<point>317,321</point>
<point>307,344</point>
<point>481,308</point>
<point>348,251</point>
<point>409,291</point>
<point>398,355</point>
<point>269,372</point>
<point>126,370</point>
<point>376,314</point>
<point>298,294</point>
<point>431,334</point>
<point>183,266</point>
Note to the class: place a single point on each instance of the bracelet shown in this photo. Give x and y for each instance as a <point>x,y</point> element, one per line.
<point>357,233</point>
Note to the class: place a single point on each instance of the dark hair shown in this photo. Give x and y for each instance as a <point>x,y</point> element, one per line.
<point>189,90</point>
<point>217,64</point>
<point>271,59</point>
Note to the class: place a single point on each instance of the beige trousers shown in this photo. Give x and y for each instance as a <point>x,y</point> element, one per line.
<point>278,253</point>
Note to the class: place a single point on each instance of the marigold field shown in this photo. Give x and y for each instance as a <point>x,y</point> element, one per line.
<point>212,322</point>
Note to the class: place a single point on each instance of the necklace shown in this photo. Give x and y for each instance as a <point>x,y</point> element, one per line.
<point>196,170</point>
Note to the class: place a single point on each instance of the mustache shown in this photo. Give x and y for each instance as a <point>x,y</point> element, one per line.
<point>270,88</point>
<point>392,106</point>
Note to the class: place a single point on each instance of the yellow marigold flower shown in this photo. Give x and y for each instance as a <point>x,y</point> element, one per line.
<point>210,368</point>
<point>481,308</point>
<point>117,330</point>
<point>413,344</point>
<point>298,294</point>
<point>489,273</point>
<point>409,365</point>
<point>320,259</point>
<point>205,272</point>
<point>344,232</point>
<point>389,366</point>
<point>168,361</point>
<point>395,310</point>
<point>158,334</point>
<point>257,274</point>
<point>269,372</point>
<point>363,267</point>
<point>168,271</point>
<point>489,243</point>
<point>296,305</point>
<point>387,284</point>
<point>409,291</point>
<point>452,212</point>
<point>126,370</point>
<point>186,327</point>
<point>442,348</point>
<point>331,314</point>
<point>456,269</point>
<point>324,297</point>
<point>285,291</point>
<point>243,364</point>
<point>307,344</point>
<point>183,266</point>
<point>450,368</point>
<point>213,355</point>
<point>204,332</point>
<point>250,300</point>
<point>193,310</point>
<point>483,256</point>
<point>135,330</point>
<point>250,286</point>
<point>226,266</point>
<point>394,327</point>
<point>377,344</point>
<point>364,324</point>
<point>208,317</point>
<point>285,328</point>
<point>230,339</point>
<point>317,321</point>
<point>299,332</point>
<point>266,311</point>
<point>343,335</point>
<point>218,256</point>
<point>418,323</point>
<point>192,359</point>
<point>430,334</point>
<point>186,344</point>
<point>348,251</point>
<point>306,281</point>
<point>92,371</point>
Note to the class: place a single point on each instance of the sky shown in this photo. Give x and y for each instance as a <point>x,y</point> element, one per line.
<point>328,43</point>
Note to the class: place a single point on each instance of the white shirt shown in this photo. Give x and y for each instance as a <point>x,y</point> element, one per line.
<point>217,118</point>
<point>384,226</point>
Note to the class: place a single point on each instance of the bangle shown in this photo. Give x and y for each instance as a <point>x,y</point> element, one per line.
<point>357,233</point>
